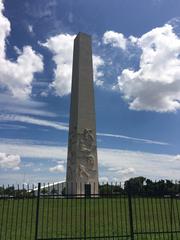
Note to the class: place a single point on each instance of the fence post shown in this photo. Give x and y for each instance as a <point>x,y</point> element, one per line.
<point>84,214</point>
<point>171,216</point>
<point>37,211</point>
<point>130,214</point>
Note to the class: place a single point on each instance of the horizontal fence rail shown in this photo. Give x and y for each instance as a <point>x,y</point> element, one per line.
<point>47,212</point>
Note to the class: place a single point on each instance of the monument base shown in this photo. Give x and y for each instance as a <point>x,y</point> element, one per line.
<point>82,189</point>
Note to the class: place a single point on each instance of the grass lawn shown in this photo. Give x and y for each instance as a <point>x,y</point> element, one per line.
<point>80,218</point>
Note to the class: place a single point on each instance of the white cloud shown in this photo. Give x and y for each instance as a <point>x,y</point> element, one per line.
<point>9,104</point>
<point>177,158</point>
<point>10,161</point>
<point>34,121</point>
<point>98,74</point>
<point>57,169</point>
<point>27,149</point>
<point>4,30</point>
<point>62,48</point>
<point>123,163</point>
<point>147,141</point>
<point>156,85</point>
<point>115,39</point>
<point>30,28</point>
<point>16,77</point>
<point>64,127</point>
<point>126,171</point>
<point>127,164</point>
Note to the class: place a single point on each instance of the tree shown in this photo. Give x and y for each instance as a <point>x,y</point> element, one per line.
<point>135,185</point>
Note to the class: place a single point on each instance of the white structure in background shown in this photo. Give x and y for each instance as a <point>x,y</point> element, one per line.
<point>51,188</point>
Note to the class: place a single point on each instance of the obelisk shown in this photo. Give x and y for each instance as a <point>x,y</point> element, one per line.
<point>82,163</point>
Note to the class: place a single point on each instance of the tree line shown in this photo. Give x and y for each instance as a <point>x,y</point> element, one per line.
<point>135,186</point>
<point>143,186</point>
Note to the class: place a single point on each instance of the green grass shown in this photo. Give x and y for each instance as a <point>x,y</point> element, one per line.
<point>89,217</point>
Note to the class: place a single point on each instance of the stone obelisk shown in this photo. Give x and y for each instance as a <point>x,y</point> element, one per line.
<point>82,163</point>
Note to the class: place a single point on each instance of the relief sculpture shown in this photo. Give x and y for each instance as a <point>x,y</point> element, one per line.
<point>86,147</point>
<point>86,141</point>
<point>82,171</point>
<point>72,141</point>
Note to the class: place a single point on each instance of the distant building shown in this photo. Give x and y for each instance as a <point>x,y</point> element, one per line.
<point>51,188</point>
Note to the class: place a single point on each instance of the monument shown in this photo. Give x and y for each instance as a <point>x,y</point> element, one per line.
<point>82,163</point>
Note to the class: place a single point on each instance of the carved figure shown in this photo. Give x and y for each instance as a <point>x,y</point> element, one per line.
<point>86,141</point>
<point>90,161</point>
<point>82,171</point>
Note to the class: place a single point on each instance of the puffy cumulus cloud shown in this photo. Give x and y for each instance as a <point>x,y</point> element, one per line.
<point>16,77</point>
<point>57,169</point>
<point>97,64</point>
<point>61,47</point>
<point>156,85</point>
<point>115,39</point>
<point>4,30</point>
<point>10,161</point>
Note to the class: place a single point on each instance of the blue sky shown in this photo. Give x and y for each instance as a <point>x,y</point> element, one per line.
<point>136,59</point>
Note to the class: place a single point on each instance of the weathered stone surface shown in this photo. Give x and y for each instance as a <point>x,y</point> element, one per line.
<point>82,164</point>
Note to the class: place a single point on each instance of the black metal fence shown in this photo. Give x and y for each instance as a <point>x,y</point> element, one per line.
<point>46,212</point>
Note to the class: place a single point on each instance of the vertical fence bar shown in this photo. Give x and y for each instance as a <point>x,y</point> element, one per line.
<point>12,221</point>
<point>62,209</point>
<point>57,210</point>
<point>32,211</point>
<point>37,211</point>
<point>85,215</point>
<point>66,211</point>
<point>2,213</point>
<point>52,207</point>
<point>171,216</point>
<point>122,210</point>
<point>107,206</point>
<point>22,210</point>
<point>7,212</point>
<point>94,213</point>
<point>116,212</point>
<point>99,213</point>
<point>43,202</point>
<point>76,213</point>
<point>112,209</point>
<point>130,215</point>
<point>125,209</point>
<point>103,211</point>
<point>17,213</point>
<point>47,217</point>
<point>71,211</point>
<point>27,209</point>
